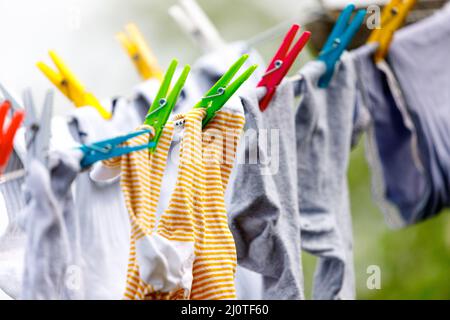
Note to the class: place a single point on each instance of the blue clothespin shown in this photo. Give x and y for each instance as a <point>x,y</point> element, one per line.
<point>339,39</point>
<point>111,148</point>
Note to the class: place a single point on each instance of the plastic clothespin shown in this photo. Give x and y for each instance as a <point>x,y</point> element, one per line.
<point>194,21</point>
<point>339,39</point>
<point>139,52</point>
<point>70,86</point>
<point>110,148</point>
<point>164,102</point>
<point>7,132</point>
<point>222,90</point>
<point>281,63</point>
<point>393,17</point>
<point>38,130</point>
<point>15,105</point>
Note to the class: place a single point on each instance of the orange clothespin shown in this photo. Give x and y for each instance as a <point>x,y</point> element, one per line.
<point>392,18</point>
<point>7,133</point>
<point>140,53</point>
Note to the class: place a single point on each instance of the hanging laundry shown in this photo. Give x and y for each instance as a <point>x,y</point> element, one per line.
<point>53,264</point>
<point>100,206</point>
<point>399,183</point>
<point>264,205</point>
<point>12,242</point>
<point>196,275</point>
<point>324,124</point>
<point>207,70</point>
<point>419,57</point>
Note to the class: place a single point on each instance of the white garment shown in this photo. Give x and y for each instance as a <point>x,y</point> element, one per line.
<point>103,218</point>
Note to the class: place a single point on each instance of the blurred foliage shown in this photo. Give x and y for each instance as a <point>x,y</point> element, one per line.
<point>414,261</point>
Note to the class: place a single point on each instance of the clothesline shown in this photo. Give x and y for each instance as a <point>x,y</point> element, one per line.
<point>224,208</point>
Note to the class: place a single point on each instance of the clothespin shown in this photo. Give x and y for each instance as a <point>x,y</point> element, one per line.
<point>70,86</point>
<point>222,90</point>
<point>339,39</point>
<point>15,105</point>
<point>110,148</point>
<point>139,52</point>
<point>163,104</point>
<point>7,132</point>
<point>281,63</point>
<point>194,21</point>
<point>38,130</point>
<point>393,17</point>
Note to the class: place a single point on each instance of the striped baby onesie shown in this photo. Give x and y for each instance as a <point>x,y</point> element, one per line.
<point>190,253</point>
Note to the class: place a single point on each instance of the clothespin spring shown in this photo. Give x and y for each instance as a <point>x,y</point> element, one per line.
<point>277,65</point>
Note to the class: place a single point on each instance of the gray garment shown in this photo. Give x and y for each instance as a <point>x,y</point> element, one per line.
<point>12,242</point>
<point>52,267</point>
<point>399,184</point>
<point>264,206</point>
<point>324,132</point>
<point>419,56</point>
<point>12,193</point>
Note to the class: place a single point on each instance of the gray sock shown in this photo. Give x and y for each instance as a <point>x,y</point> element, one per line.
<point>324,132</point>
<point>264,206</point>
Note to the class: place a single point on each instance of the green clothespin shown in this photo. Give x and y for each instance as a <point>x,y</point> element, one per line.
<point>219,94</point>
<point>163,104</point>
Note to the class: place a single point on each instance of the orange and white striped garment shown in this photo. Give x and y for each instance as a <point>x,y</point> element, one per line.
<point>190,253</point>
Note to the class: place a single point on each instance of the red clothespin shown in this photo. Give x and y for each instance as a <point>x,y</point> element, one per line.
<point>7,133</point>
<point>281,63</point>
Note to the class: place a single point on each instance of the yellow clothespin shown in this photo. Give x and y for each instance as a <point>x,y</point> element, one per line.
<point>392,18</point>
<point>140,53</point>
<point>70,86</point>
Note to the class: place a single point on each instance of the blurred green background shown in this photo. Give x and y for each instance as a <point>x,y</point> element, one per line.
<point>414,262</point>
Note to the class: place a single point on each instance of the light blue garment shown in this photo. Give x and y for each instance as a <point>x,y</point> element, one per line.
<point>419,56</point>
<point>399,183</point>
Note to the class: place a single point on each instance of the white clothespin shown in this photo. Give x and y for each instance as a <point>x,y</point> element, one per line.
<point>193,20</point>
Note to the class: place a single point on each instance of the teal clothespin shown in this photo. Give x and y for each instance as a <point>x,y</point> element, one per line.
<point>222,91</point>
<point>163,104</point>
<point>110,148</point>
<point>339,39</point>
